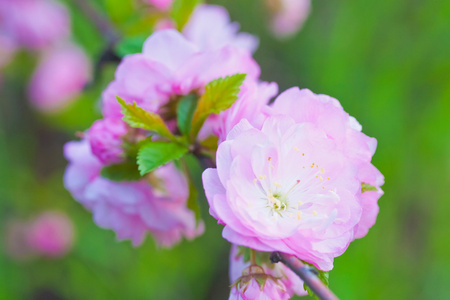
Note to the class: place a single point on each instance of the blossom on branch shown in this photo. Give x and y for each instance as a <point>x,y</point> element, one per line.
<point>293,185</point>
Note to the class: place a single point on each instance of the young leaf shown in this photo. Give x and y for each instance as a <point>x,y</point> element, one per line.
<point>126,171</point>
<point>367,187</point>
<point>220,94</point>
<point>185,111</point>
<point>182,10</point>
<point>154,154</point>
<point>138,118</point>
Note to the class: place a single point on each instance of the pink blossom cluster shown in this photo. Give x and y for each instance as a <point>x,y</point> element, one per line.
<point>171,65</point>
<point>293,176</point>
<point>43,26</point>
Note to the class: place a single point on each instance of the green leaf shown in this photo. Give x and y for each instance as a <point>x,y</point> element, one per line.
<point>126,171</point>
<point>367,187</point>
<point>154,154</point>
<point>220,94</point>
<point>192,202</point>
<point>138,118</point>
<point>130,45</point>
<point>182,10</point>
<point>185,111</point>
<point>322,275</point>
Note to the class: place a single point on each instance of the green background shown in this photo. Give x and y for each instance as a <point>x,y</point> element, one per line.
<point>388,62</point>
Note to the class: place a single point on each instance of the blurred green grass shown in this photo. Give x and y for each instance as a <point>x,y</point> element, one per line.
<point>388,62</point>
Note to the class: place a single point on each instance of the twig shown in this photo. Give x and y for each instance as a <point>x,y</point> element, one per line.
<point>305,273</point>
<point>103,25</point>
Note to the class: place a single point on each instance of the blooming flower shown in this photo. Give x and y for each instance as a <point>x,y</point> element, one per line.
<point>51,234</point>
<point>34,23</point>
<point>59,78</point>
<point>293,185</point>
<point>292,283</point>
<point>132,209</point>
<point>105,138</point>
<point>170,66</point>
<point>209,27</point>
<point>288,15</point>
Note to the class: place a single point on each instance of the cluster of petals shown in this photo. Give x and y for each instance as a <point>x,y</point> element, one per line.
<point>170,66</point>
<point>288,15</point>
<point>106,140</point>
<point>294,183</point>
<point>34,24</point>
<point>132,208</point>
<point>161,4</point>
<point>60,76</point>
<point>292,284</point>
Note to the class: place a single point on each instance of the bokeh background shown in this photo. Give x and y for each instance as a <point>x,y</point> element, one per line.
<point>388,62</point>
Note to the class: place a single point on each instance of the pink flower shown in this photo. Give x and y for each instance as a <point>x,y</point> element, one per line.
<point>161,4</point>
<point>51,234</point>
<point>251,289</point>
<point>132,209</point>
<point>294,184</point>
<point>34,23</point>
<point>292,283</point>
<point>329,115</point>
<point>170,66</point>
<point>289,15</point>
<point>105,138</point>
<point>209,27</point>
<point>59,78</point>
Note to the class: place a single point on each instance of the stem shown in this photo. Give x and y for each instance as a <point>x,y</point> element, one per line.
<point>305,273</point>
<point>103,25</point>
<point>253,258</point>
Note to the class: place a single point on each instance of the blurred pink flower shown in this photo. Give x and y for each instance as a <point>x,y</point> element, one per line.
<point>105,138</point>
<point>294,185</point>
<point>209,27</point>
<point>161,4</point>
<point>134,208</point>
<point>60,77</point>
<point>7,49</point>
<point>34,23</point>
<point>292,283</point>
<point>288,15</point>
<point>51,234</point>
<point>171,66</point>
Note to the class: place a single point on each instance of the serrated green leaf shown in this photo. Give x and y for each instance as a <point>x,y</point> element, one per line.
<point>220,94</point>
<point>130,45</point>
<point>126,171</point>
<point>138,118</point>
<point>185,111</point>
<point>182,10</point>
<point>367,188</point>
<point>154,154</point>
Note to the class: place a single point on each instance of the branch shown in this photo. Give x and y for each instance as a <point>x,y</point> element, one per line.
<point>305,273</point>
<point>103,25</point>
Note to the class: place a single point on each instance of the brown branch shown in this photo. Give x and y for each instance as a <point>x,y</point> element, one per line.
<point>306,273</point>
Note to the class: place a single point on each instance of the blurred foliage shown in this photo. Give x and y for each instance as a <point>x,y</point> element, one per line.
<point>387,62</point>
